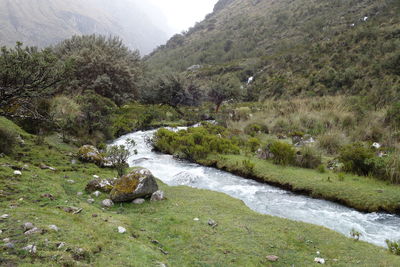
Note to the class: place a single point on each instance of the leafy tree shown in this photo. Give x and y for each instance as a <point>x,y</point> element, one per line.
<point>118,155</point>
<point>223,88</point>
<point>26,75</point>
<point>64,113</point>
<point>104,65</point>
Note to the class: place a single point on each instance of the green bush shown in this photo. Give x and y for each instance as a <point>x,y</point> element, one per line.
<point>256,128</point>
<point>356,158</point>
<point>8,140</point>
<point>393,115</point>
<point>330,142</point>
<point>254,144</point>
<point>308,158</point>
<point>284,153</point>
<point>392,168</point>
<point>248,166</point>
<point>394,247</point>
<point>321,168</point>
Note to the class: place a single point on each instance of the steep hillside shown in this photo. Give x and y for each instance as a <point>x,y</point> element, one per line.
<point>293,46</point>
<point>45,22</point>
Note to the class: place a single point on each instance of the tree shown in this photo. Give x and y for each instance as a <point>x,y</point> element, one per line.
<point>64,113</point>
<point>118,155</point>
<point>223,88</point>
<point>26,75</point>
<point>104,65</point>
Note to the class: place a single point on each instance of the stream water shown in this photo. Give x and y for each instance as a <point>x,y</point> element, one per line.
<point>374,227</point>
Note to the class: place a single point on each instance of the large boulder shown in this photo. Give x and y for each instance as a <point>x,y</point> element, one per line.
<point>139,183</point>
<point>88,153</point>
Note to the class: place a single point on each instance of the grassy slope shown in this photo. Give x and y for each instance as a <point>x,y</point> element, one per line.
<point>362,193</point>
<point>243,237</point>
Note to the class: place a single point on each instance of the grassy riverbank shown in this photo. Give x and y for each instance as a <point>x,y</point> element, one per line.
<point>164,232</point>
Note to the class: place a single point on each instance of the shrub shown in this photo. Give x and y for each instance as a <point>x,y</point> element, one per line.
<point>393,115</point>
<point>392,168</point>
<point>118,156</point>
<point>254,144</point>
<point>393,246</point>
<point>330,142</point>
<point>355,234</point>
<point>256,128</point>
<point>321,168</point>
<point>248,166</point>
<point>309,158</point>
<point>355,158</point>
<point>8,140</point>
<point>284,153</point>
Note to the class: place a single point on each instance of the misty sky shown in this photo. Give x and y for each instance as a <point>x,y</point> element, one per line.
<point>182,14</point>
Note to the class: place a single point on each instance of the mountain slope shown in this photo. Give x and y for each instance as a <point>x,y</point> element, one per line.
<point>291,45</point>
<point>45,22</point>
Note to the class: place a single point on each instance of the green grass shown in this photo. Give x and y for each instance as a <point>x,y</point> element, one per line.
<point>242,237</point>
<point>362,193</point>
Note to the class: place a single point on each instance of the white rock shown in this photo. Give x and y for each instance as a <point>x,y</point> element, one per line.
<point>108,203</point>
<point>53,227</point>
<point>97,193</point>
<point>319,260</point>
<point>71,181</point>
<point>4,216</point>
<point>19,173</point>
<point>90,201</point>
<point>376,145</point>
<point>318,253</point>
<point>28,226</point>
<point>30,248</point>
<point>1,231</point>
<point>121,230</point>
<point>96,176</point>
<point>157,196</point>
<point>196,219</point>
<point>138,201</point>
<point>61,245</point>
<point>32,231</point>
<point>79,194</point>
<point>365,18</point>
<point>6,240</point>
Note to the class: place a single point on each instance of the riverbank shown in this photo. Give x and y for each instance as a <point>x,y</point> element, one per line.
<point>164,232</point>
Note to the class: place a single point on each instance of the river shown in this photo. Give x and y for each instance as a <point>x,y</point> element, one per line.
<point>374,227</point>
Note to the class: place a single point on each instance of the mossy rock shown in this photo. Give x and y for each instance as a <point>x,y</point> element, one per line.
<point>102,185</point>
<point>139,183</point>
<point>90,154</point>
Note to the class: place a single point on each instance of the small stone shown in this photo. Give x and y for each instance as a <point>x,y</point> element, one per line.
<point>108,203</point>
<point>318,253</point>
<point>53,227</point>
<point>319,260</point>
<point>28,226</point>
<point>90,201</point>
<point>30,248</point>
<point>97,193</point>
<point>157,196</point>
<point>9,245</point>
<point>21,199</point>
<point>138,201</point>
<point>121,230</point>
<point>95,215</point>
<point>196,219</point>
<point>96,176</point>
<point>34,230</point>
<point>61,245</point>
<point>212,223</point>
<point>6,240</point>
<point>79,194</point>
<point>70,181</point>
<point>18,173</point>
<point>272,258</point>
<point>4,216</point>
<point>73,162</point>
<point>1,231</point>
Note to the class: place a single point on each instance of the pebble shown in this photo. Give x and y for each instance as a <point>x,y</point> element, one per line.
<point>6,240</point>
<point>9,245</point>
<point>53,227</point>
<point>121,230</point>
<point>4,216</point>
<point>32,231</point>
<point>28,226</point>
<point>319,260</point>
<point>196,219</point>
<point>212,223</point>
<point>108,203</point>
<point>90,201</point>
<point>158,196</point>
<point>272,258</point>
<point>138,201</point>
<point>97,193</point>
<point>19,173</point>
<point>96,176</point>
<point>30,248</point>
<point>71,181</point>
<point>1,231</point>
<point>79,194</point>
<point>61,245</point>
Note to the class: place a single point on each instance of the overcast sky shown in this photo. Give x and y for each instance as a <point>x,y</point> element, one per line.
<point>182,14</point>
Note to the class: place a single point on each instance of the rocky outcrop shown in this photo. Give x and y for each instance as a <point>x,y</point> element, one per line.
<point>139,183</point>
<point>90,154</point>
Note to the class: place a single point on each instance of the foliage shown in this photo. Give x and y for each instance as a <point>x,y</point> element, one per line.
<point>394,247</point>
<point>355,234</point>
<point>308,158</point>
<point>223,88</point>
<point>255,128</point>
<point>26,75</point>
<point>284,153</point>
<point>65,112</point>
<point>118,155</point>
<point>393,115</point>
<point>355,158</point>
<point>330,142</point>
<point>254,144</point>
<point>8,140</point>
<point>392,168</point>
<point>321,168</point>
<point>248,166</point>
<point>103,65</point>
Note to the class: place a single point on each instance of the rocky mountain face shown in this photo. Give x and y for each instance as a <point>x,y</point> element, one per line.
<point>45,22</point>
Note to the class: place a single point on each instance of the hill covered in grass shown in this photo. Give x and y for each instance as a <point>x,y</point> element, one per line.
<point>157,233</point>
<point>295,47</point>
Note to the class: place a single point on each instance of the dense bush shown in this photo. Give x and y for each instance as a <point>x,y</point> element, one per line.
<point>194,143</point>
<point>8,140</point>
<point>254,144</point>
<point>356,158</point>
<point>308,158</point>
<point>284,153</point>
<point>256,128</point>
<point>393,115</point>
<point>330,142</point>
